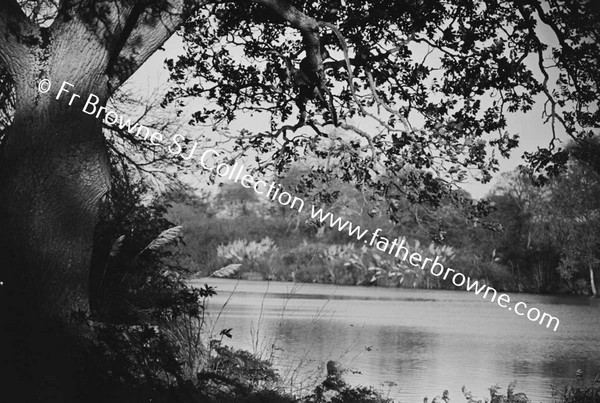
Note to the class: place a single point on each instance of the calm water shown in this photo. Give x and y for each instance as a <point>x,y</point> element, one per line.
<point>423,340</point>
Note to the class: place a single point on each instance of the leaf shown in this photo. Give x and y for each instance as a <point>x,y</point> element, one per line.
<point>166,237</point>
<point>116,246</point>
<point>226,332</point>
<point>226,271</point>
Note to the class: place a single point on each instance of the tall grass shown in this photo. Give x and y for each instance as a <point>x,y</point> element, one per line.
<point>299,373</point>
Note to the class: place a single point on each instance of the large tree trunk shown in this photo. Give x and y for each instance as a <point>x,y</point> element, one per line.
<point>49,210</point>
<point>53,173</point>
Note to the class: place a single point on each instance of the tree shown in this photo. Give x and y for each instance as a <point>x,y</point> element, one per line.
<point>524,244</point>
<point>54,172</point>
<point>551,232</point>
<point>574,215</point>
<point>431,81</point>
<point>233,196</point>
<point>54,159</point>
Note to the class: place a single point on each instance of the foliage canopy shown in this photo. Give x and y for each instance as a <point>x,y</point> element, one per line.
<point>422,88</point>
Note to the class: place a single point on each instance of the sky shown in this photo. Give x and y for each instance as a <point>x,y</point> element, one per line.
<point>532,131</point>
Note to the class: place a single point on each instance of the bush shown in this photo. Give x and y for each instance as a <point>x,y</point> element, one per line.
<point>231,373</point>
<point>302,263</point>
<point>150,339</point>
<point>253,256</point>
<point>580,392</point>
<point>205,234</point>
<point>496,396</point>
<point>491,273</point>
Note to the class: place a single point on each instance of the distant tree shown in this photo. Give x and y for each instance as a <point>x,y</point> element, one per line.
<point>555,227</point>
<point>574,217</point>
<point>587,152</point>
<point>293,181</point>
<point>526,198</point>
<point>233,194</point>
<point>524,244</point>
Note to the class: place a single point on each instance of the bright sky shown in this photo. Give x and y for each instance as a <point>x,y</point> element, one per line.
<point>533,132</point>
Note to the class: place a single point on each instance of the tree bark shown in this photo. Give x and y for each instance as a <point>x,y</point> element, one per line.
<point>49,211</point>
<point>592,281</point>
<point>53,173</point>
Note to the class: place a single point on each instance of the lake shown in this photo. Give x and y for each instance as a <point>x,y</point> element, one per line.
<point>424,341</point>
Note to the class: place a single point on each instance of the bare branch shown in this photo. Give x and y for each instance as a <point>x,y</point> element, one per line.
<point>553,116</point>
<point>385,105</point>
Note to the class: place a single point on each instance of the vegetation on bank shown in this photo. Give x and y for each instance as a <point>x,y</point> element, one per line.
<point>151,340</point>
<point>535,239</point>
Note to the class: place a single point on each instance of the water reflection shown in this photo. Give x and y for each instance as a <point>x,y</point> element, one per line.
<point>425,341</point>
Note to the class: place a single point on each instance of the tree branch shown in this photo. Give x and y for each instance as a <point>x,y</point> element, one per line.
<point>15,30</point>
<point>291,14</point>
<point>146,31</point>
<point>130,31</point>
<point>308,27</point>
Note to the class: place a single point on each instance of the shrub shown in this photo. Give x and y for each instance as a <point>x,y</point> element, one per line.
<point>235,372</point>
<point>580,392</point>
<point>253,256</point>
<point>334,258</point>
<point>150,339</point>
<point>496,396</point>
